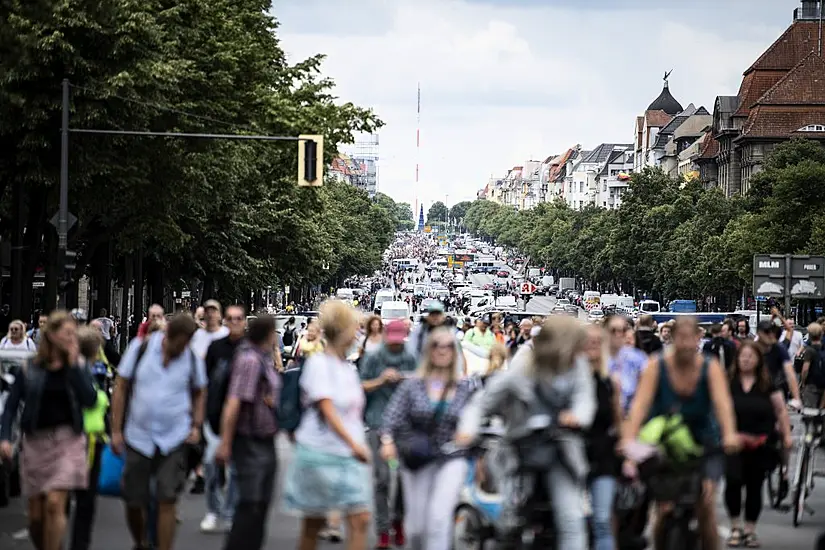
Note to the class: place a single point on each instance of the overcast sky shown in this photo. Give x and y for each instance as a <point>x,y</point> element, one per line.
<point>504,81</point>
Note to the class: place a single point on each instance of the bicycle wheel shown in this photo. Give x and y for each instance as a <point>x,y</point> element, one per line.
<point>800,485</point>
<point>675,534</point>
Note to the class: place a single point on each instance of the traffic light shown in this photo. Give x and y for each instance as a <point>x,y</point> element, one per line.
<point>310,160</point>
<point>70,260</point>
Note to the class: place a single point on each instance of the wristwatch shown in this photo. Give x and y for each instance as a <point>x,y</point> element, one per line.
<point>386,440</point>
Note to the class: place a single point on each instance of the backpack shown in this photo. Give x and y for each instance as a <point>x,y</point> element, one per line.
<point>816,370</point>
<point>289,337</point>
<point>216,394</point>
<point>291,406</point>
<point>719,350</point>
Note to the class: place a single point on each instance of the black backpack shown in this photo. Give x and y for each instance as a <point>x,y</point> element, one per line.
<point>816,370</point>
<point>289,337</point>
<point>216,393</point>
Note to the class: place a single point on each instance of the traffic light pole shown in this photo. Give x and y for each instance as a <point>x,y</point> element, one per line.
<point>63,211</point>
<point>310,147</point>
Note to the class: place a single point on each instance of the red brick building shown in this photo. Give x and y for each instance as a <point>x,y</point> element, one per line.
<point>782,96</point>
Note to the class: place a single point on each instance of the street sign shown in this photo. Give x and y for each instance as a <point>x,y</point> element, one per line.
<point>785,275</point>
<point>527,287</point>
<point>71,219</point>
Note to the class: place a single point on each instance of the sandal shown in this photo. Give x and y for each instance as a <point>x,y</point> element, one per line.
<point>735,537</point>
<point>751,541</point>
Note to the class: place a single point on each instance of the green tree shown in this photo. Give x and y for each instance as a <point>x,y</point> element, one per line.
<point>218,212</point>
<point>459,210</point>
<point>437,213</point>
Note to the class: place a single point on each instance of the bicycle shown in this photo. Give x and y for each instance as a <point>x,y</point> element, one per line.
<point>680,485</point>
<point>813,421</point>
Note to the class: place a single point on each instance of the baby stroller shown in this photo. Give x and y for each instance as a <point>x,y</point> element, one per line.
<point>480,504</point>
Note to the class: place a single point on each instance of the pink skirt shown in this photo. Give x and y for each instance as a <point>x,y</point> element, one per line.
<point>53,460</point>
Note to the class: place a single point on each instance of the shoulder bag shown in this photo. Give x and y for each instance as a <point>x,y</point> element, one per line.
<point>416,448</point>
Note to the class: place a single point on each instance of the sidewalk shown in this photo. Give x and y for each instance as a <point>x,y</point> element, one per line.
<point>12,526</point>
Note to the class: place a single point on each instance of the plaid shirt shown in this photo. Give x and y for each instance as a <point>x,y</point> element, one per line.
<point>411,410</point>
<point>253,380</point>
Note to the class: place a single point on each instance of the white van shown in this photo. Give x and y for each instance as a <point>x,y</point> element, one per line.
<point>439,264</point>
<point>345,294</point>
<point>390,311</point>
<point>650,306</point>
<point>382,296</point>
<point>625,302</point>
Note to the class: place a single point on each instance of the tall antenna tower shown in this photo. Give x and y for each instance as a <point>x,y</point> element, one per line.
<point>417,142</point>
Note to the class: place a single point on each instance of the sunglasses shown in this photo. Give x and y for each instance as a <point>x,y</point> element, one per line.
<point>617,330</point>
<point>443,345</point>
<point>234,319</point>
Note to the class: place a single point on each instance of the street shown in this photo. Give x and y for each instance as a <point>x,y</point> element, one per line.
<point>775,528</point>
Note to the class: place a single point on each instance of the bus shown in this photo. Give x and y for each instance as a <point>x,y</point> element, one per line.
<point>406,264</point>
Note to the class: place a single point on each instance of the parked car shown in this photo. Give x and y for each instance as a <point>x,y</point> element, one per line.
<point>595,315</point>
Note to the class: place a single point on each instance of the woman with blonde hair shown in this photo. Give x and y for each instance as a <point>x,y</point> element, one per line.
<point>17,339</point>
<point>54,389</point>
<point>552,379</point>
<point>329,472</point>
<point>420,420</point>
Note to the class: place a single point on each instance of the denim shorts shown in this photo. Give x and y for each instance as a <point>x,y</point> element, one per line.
<point>318,482</point>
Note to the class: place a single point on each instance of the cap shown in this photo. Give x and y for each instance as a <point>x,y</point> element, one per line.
<point>435,307</point>
<point>395,332</point>
<point>213,304</point>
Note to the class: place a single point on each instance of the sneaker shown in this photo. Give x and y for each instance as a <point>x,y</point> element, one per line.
<point>332,534</point>
<point>398,530</point>
<point>211,523</point>
<point>383,541</point>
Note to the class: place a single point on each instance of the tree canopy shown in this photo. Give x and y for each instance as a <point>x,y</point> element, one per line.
<point>671,238</point>
<point>225,213</point>
<point>437,213</point>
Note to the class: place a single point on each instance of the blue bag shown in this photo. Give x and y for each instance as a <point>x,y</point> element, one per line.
<point>111,473</point>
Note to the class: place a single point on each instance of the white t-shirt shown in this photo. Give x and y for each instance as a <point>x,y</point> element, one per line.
<point>106,327</point>
<point>328,377</point>
<point>27,344</point>
<point>203,338</point>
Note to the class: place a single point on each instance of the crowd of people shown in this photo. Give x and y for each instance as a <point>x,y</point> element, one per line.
<point>395,406</point>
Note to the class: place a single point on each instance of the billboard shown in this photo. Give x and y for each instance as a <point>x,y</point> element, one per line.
<point>782,275</point>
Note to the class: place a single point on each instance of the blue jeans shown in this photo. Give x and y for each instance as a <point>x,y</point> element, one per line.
<point>602,492</point>
<point>221,502</point>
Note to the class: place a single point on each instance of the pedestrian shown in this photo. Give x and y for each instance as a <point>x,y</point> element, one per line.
<point>221,501</point>
<point>164,383</point>
<point>156,315</point>
<point>211,330</point>
<point>428,408</point>
<point>54,389</point>
<point>17,339</point>
<point>248,433</point>
<point>759,405</point>
<point>381,372</point>
<point>90,342</point>
<point>329,471</point>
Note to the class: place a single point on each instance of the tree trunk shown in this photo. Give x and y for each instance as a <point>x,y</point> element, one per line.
<point>138,306</point>
<point>124,302</point>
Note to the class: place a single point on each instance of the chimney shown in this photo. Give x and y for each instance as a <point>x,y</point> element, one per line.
<point>808,11</point>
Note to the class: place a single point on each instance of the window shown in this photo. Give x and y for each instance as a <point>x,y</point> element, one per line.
<point>813,128</point>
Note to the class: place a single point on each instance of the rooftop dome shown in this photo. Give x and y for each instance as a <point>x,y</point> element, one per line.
<point>666,102</point>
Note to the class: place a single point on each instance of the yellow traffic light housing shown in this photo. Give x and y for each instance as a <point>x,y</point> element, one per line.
<point>310,160</point>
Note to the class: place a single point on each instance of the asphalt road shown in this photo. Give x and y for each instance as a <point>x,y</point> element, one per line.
<point>775,529</point>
